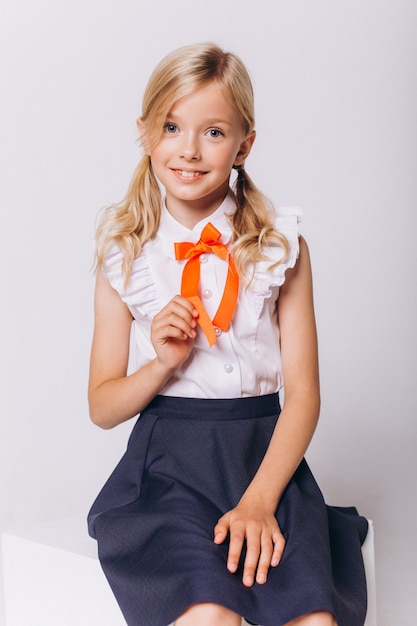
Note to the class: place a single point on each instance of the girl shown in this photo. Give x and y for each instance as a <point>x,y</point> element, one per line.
<point>212,513</point>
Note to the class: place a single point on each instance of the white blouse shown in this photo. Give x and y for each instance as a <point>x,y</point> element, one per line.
<point>246,359</point>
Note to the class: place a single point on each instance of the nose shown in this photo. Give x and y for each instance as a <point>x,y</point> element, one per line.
<point>190,150</point>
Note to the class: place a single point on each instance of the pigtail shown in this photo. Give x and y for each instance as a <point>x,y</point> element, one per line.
<point>253,227</point>
<point>132,221</point>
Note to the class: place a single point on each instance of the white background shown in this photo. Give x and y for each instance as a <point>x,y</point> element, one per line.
<point>336,94</point>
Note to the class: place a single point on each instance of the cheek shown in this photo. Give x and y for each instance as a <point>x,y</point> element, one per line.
<point>158,155</point>
<point>226,157</point>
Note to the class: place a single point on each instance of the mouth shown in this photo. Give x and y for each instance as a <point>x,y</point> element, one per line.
<point>188,174</point>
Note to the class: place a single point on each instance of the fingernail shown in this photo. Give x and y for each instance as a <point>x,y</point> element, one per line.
<point>261,578</point>
<point>247,580</point>
<point>232,567</point>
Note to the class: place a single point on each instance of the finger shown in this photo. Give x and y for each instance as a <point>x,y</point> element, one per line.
<point>253,548</point>
<point>267,548</point>
<point>279,545</point>
<point>220,531</point>
<point>186,304</point>
<point>237,537</point>
<point>174,324</point>
<point>171,322</point>
<point>181,307</point>
<point>162,333</point>
<point>182,314</point>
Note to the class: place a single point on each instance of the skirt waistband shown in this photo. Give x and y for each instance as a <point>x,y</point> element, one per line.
<point>215,409</point>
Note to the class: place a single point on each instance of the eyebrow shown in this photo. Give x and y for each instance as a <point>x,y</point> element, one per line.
<point>209,122</point>
<point>214,121</point>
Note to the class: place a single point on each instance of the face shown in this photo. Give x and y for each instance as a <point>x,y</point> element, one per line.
<point>201,140</point>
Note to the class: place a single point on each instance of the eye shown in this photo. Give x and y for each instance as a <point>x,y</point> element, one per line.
<point>170,128</point>
<point>215,132</point>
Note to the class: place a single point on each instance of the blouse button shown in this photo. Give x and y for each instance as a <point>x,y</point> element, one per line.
<point>218,331</point>
<point>207,293</point>
<point>228,368</point>
<point>203,258</point>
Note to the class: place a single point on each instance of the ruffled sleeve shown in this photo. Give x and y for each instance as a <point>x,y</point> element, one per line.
<point>287,220</point>
<point>140,293</point>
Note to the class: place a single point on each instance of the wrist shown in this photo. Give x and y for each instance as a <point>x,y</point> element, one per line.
<point>161,370</point>
<point>264,499</point>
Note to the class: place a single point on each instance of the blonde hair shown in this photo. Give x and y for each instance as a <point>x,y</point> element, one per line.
<point>136,219</point>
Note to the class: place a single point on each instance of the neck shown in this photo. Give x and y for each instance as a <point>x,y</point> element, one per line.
<point>190,213</point>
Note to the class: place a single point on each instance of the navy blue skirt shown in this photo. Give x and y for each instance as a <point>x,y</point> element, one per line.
<point>188,462</point>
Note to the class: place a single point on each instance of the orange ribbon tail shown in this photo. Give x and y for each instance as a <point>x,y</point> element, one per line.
<point>191,278</point>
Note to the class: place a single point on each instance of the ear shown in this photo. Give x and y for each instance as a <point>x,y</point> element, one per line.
<point>142,134</point>
<point>245,148</point>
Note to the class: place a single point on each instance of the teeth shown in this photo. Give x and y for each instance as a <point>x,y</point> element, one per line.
<point>189,174</point>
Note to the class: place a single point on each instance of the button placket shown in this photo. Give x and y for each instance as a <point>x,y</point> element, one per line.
<point>210,292</point>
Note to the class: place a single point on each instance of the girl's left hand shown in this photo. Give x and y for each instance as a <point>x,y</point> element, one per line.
<point>264,541</point>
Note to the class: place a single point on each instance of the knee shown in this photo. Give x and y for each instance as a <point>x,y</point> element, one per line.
<point>319,618</point>
<point>208,614</point>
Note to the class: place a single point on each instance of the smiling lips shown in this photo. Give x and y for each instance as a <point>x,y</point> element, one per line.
<point>189,175</point>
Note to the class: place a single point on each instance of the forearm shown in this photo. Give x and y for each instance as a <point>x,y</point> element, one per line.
<point>298,419</point>
<point>117,400</point>
<point>289,442</point>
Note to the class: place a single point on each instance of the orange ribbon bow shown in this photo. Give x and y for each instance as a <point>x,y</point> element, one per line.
<point>191,277</point>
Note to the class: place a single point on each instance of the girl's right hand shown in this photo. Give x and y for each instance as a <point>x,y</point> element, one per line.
<point>173,332</point>
<point>114,394</point>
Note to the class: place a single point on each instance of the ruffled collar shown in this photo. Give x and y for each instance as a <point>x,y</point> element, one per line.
<point>171,231</point>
